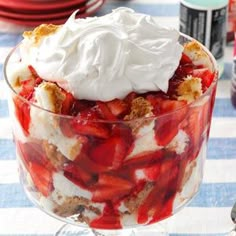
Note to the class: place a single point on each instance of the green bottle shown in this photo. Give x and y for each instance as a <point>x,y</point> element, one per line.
<point>206,21</point>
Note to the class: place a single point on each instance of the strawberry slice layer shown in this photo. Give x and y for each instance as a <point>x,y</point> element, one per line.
<point>206,75</point>
<point>167,127</point>
<point>79,175</point>
<point>86,123</point>
<point>165,187</point>
<point>110,188</point>
<point>109,220</point>
<point>22,112</point>
<point>112,151</point>
<point>42,178</point>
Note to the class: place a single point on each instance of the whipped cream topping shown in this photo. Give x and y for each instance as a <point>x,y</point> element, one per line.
<point>103,58</point>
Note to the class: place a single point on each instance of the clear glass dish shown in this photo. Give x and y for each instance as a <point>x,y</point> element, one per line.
<point>91,191</point>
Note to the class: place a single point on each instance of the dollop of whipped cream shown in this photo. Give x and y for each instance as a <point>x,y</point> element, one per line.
<point>107,57</point>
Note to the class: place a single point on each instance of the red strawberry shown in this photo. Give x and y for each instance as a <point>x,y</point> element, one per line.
<point>78,175</point>
<point>81,105</point>
<point>198,123</point>
<point>110,187</point>
<point>117,107</point>
<point>27,89</point>
<point>129,98</point>
<point>22,112</point>
<point>41,177</point>
<point>152,172</point>
<point>165,186</point>
<point>86,163</point>
<point>206,75</point>
<point>185,59</point>
<point>105,112</point>
<point>144,160</point>
<point>67,104</point>
<point>167,127</point>
<point>183,71</point>
<point>86,123</point>
<point>109,220</point>
<point>33,152</point>
<point>33,72</point>
<point>110,153</point>
<point>66,127</point>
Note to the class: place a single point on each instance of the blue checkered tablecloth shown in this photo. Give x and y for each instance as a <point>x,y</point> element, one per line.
<point>207,214</point>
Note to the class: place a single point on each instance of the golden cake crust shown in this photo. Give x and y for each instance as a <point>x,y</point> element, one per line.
<point>41,31</point>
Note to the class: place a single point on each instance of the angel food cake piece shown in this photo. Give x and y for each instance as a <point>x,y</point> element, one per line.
<point>114,115</point>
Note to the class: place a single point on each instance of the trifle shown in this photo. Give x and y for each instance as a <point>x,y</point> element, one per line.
<point>111,117</point>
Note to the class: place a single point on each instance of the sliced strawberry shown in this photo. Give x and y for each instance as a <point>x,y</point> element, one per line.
<point>198,125</point>
<point>42,178</point>
<point>86,163</point>
<point>34,73</point>
<point>206,75</point>
<point>110,187</point>
<point>152,172</point>
<point>184,70</point>
<point>144,160</point>
<point>33,153</point>
<point>78,175</point>
<point>105,112</point>
<point>67,104</point>
<point>28,85</point>
<point>163,212</point>
<point>165,130</point>
<point>91,129</point>
<point>185,59</point>
<point>86,123</point>
<point>66,127</point>
<point>22,112</point>
<point>117,107</point>
<point>167,127</point>
<point>81,105</point>
<point>165,186</point>
<point>129,98</point>
<point>109,220</point>
<point>167,106</point>
<point>27,89</point>
<point>110,153</point>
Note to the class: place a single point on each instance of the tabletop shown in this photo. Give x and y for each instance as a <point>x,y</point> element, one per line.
<point>207,214</point>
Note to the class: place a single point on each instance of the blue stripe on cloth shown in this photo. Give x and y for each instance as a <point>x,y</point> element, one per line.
<point>4,108</point>
<point>218,148</point>
<point>7,149</point>
<point>150,9</point>
<point>224,108</point>
<point>210,195</point>
<point>12,195</point>
<point>221,148</point>
<point>9,40</point>
<point>215,195</point>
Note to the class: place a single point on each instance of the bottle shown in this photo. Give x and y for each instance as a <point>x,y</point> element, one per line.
<point>206,21</point>
<point>233,79</point>
<point>231,20</point>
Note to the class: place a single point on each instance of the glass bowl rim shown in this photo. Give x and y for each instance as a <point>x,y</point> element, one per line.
<point>209,89</point>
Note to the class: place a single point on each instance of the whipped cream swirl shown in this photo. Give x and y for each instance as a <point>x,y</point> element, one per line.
<point>103,58</point>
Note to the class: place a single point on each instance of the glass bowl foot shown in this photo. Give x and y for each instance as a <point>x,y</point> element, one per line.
<point>71,230</point>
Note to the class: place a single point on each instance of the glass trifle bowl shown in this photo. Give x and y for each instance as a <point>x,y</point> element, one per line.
<point>107,167</point>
